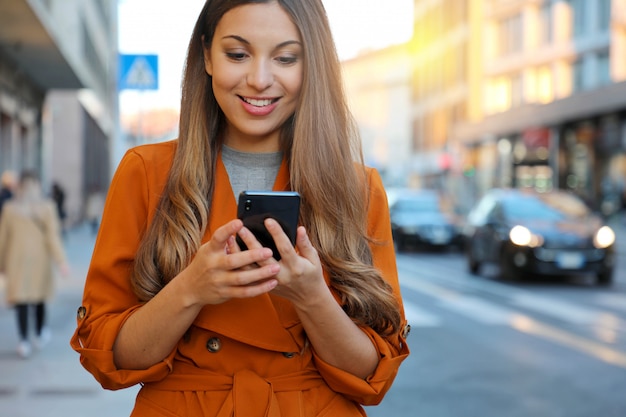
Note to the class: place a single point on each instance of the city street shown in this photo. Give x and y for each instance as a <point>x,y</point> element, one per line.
<point>483,347</point>
<point>480,347</point>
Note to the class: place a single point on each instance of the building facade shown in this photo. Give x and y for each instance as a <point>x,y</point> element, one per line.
<point>547,97</point>
<point>58,93</point>
<point>377,84</point>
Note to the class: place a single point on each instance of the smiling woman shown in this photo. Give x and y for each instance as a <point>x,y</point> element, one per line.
<point>206,325</point>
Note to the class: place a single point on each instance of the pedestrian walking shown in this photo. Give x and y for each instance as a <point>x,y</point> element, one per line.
<point>8,182</point>
<point>208,327</point>
<point>93,209</point>
<point>30,241</point>
<point>58,195</point>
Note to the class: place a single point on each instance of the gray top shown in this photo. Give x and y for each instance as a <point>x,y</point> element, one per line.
<point>251,171</point>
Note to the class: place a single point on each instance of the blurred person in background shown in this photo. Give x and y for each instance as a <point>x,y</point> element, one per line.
<point>171,302</point>
<point>8,182</point>
<point>58,195</point>
<point>30,243</point>
<point>93,209</point>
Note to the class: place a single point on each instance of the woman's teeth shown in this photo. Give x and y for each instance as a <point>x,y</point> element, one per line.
<point>258,103</point>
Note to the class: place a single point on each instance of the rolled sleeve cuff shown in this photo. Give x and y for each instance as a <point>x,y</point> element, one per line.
<point>372,390</point>
<point>96,353</point>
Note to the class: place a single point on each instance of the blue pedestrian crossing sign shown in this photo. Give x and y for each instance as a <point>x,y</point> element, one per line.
<point>139,72</point>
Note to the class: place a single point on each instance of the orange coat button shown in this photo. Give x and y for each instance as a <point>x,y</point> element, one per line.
<point>214,344</point>
<point>81,313</point>
<point>406,331</point>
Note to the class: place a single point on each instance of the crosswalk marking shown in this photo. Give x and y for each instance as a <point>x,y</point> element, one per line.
<point>419,317</point>
<point>480,310</point>
<point>592,348</point>
<point>488,312</point>
<point>614,301</point>
<point>560,309</point>
<point>472,307</point>
<point>448,288</point>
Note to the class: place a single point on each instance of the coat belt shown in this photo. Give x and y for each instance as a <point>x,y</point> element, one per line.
<point>250,395</point>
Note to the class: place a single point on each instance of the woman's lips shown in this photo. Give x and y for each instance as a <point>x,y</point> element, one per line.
<point>259,106</point>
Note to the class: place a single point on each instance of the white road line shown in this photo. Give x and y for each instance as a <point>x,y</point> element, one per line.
<point>480,310</point>
<point>490,313</point>
<point>474,308</point>
<point>418,317</point>
<point>560,309</point>
<point>614,301</point>
<point>581,344</point>
<point>567,312</point>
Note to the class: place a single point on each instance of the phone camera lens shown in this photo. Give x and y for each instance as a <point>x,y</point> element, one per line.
<point>248,205</point>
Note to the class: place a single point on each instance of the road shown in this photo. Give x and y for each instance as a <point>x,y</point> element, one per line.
<point>483,347</point>
<point>480,347</point>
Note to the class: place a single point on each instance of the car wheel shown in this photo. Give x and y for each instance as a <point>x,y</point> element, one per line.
<point>508,271</point>
<point>400,244</point>
<point>605,278</point>
<point>472,263</point>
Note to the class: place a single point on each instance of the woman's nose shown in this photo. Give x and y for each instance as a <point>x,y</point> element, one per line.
<point>261,76</point>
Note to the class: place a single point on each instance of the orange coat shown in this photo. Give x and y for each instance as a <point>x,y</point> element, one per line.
<point>246,357</point>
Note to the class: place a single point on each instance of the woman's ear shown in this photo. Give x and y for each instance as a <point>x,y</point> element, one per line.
<point>208,65</point>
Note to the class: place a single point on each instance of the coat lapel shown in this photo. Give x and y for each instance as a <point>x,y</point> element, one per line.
<point>255,320</point>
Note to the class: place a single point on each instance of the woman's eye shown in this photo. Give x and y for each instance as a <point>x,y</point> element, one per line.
<point>236,56</point>
<point>286,60</point>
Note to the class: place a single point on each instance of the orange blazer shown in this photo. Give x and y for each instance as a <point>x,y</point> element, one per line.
<point>244,357</point>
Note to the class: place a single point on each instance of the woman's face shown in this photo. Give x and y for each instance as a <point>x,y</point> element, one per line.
<point>255,60</point>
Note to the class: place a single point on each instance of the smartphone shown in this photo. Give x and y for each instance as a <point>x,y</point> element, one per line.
<point>254,207</point>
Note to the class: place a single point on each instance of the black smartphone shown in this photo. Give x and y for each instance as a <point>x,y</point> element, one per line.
<point>254,207</point>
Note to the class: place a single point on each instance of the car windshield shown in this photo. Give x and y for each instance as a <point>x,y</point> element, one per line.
<point>549,207</point>
<point>417,204</point>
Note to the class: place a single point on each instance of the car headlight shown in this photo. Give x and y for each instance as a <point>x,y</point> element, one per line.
<point>604,237</point>
<point>521,236</point>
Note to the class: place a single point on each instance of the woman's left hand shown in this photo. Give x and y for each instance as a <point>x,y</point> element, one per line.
<point>301,275</point>
<point>333,335</point>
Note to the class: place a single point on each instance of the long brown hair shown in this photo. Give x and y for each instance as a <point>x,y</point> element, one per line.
<point>323,150</point>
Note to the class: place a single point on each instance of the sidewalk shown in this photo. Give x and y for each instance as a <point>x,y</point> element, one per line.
<point>52,383</point>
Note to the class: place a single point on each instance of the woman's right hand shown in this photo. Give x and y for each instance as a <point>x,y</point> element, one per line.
<point>217,273</point>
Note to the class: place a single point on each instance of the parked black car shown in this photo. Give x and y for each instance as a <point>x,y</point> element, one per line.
<point>419,218</point>
<point>549,233</point>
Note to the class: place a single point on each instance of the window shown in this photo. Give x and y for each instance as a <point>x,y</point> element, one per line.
<point>517,90</point>
<point>604,15</point>
<point>604,68</point>
<point>503,93</point>
<point>510,35</point>
<point>544,92</point>
<point>577,76</point>
<point>545,24</point>
<point>578,11</point>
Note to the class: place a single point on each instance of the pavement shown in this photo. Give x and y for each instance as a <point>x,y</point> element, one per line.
<point>51,382</point>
